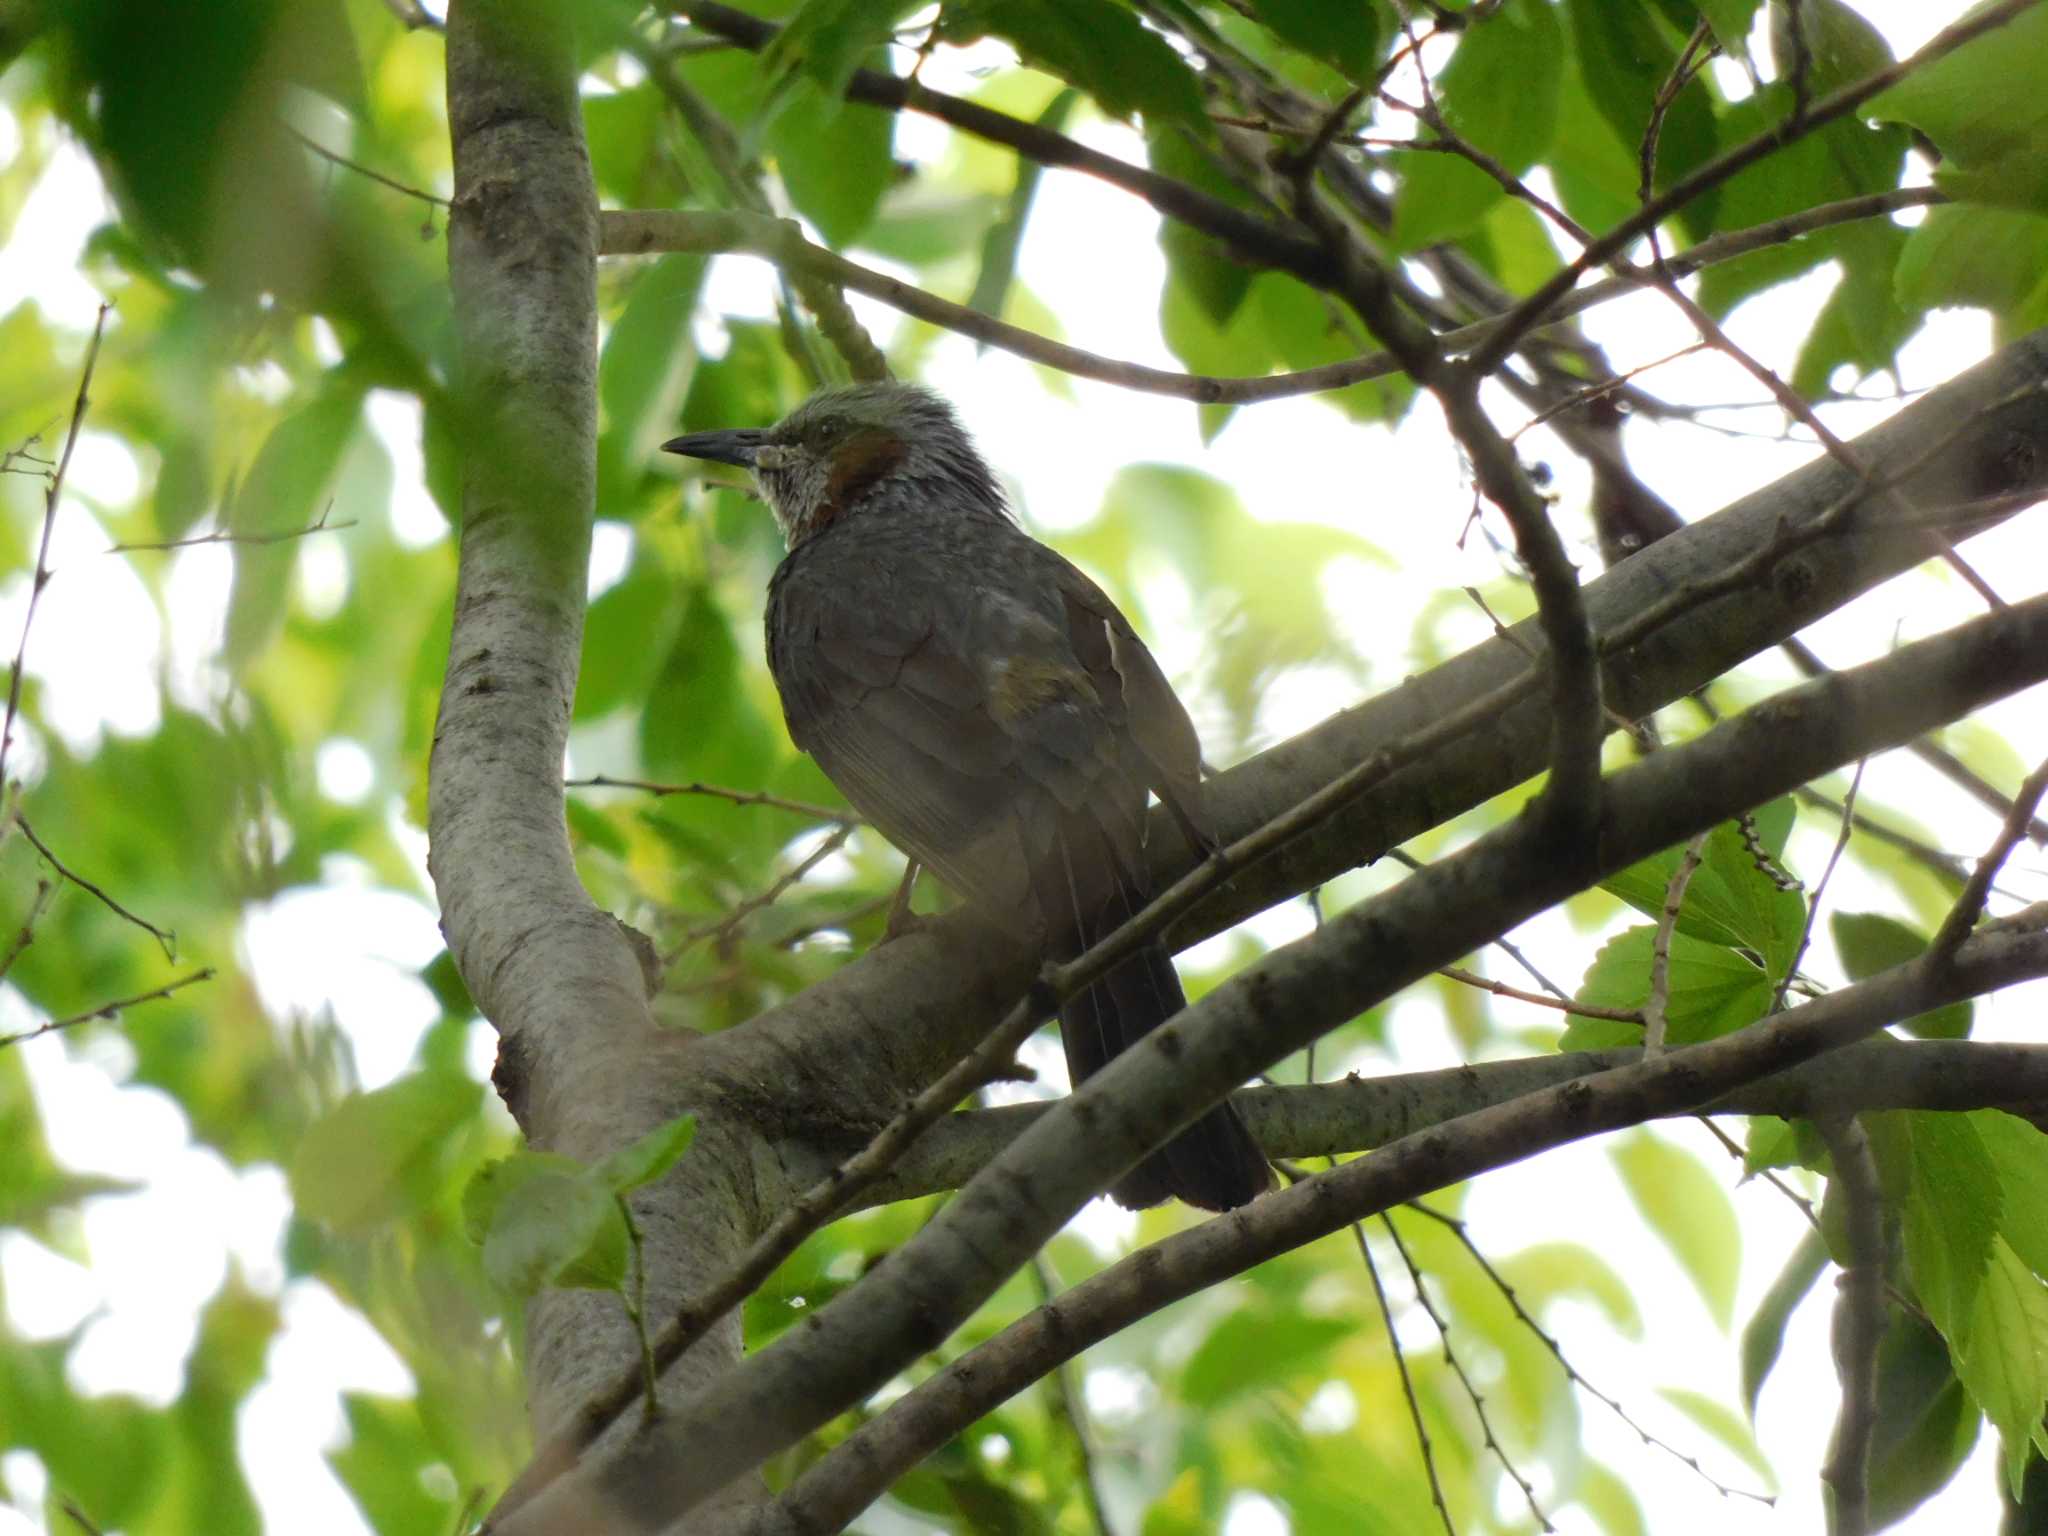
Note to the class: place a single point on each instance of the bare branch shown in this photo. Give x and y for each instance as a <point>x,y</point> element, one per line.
<point>1858,1325</point>
<point>1969,906</point>
<point>1654,1006</point>
<point>1820,887</point>
<point>859,1468</point>
<point>363,170</point>
<point>719,792</point>
<point>51,496</point>
<point>111,1010</point>
<point>1540,999</point>
<point>230,536</point>
<point>166,938</point>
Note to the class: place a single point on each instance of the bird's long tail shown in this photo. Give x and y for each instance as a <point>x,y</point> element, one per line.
<point>1213,1163</point>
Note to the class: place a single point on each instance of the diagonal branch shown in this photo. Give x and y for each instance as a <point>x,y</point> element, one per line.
<point>1350,1115</point>
<point>856,1471</point>
<point>929,1284</point>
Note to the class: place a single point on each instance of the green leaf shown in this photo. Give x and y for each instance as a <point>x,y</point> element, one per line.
<point>1926,1422</point>
<point>697,722</point>
<point>1345,34</point>
<point>1094,44</point>
<point>1499,93</point>
<point>1863,323</point>
<point>1611,1501</point>
<point>546,1221</point>
<point>644,372</point>
<point>648,1158</point>
<point>834,167</point>
<point>1731,21</point>
<point>1841,47</point>
<point>2003,1357</point>
<point>1005,237</point>
<point>374,1157</point>
<point>388,1449</point>
<point>1625,58</point>
<point>2019,1153</point>
<point>1714,990</point>
<point>1869,942</point>
<point>1254,1349</point>
<point>1729,900</point>
<point>1763,1336</point>
<point>1775,1143</point>
<point>1984,101</point>
<point>1686,1207</point>
<point>827,39</point>
<point>1992,258</point>
<point>1596,174</point>
<point>1199,263</point>
<point>1953,1208</point>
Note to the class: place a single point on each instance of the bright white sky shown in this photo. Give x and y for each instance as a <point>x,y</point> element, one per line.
<point>156,1256</point>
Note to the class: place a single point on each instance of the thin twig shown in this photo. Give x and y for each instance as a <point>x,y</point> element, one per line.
<point>1572,1374</point>
<point>1379,1291</point>
<point>1472,1392</point>
<point>107,1010</point>
<point>1820,887</point>
<point>229,536</point>
<point>840,921</point>
<point>1070,1408</point>
<point>1540,999</point>
<point>26,935</point>
<point>1656,1006</point>
<point>1536,307</point>
<point>1969,906</point>
<point>1930,752</point>
<point>719,792</point>
<point>1698,49</point>
<point>832,843</point>
<point>51,496</point>
<point>363,170</point>
<point>167,939</point>
<point>630,232</point>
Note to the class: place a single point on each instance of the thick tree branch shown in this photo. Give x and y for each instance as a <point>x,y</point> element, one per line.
<point>857,1471</point>
<point>916,1005</point>
<point>558,978</point>
<point>926,1287</point>
<point>634,232</point>
<point>1355,1113</point>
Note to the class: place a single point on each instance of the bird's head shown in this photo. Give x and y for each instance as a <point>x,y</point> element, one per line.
<point>851,450</point>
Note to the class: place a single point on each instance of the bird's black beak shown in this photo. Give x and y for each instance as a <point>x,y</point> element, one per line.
<point>735,447</point>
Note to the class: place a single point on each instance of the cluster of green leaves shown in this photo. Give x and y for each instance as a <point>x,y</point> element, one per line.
<point>1965,1192</point>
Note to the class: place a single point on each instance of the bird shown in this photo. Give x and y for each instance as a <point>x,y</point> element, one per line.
<point>988,709</point>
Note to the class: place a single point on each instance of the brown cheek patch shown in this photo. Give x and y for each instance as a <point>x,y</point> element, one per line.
<point>857,464</point>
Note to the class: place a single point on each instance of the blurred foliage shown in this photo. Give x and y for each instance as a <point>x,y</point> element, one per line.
<point>276,371</point>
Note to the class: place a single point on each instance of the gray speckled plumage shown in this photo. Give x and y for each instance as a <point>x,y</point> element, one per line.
<point>986,706</point>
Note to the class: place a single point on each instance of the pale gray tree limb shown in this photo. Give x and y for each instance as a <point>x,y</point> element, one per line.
<point>855,1472</point>
<point>561,981</point>
<point>917,1295</point>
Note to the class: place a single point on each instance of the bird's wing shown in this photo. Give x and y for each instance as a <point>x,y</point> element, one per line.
<point>956,718</point>
<point>1152,715</point>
